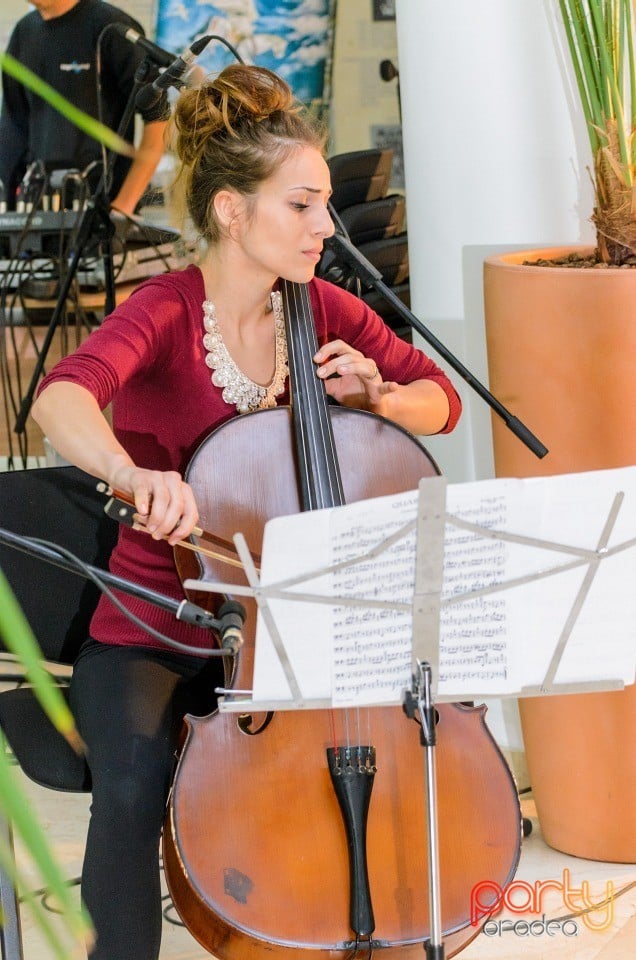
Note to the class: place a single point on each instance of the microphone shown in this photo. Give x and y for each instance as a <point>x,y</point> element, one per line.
<point>388,70</point>
<point>227,625</point>
<point>172,76</point>
<point>231,619</point>
<point>158,54</point>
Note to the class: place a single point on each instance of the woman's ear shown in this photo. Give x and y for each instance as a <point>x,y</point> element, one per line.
<point>228,205</point>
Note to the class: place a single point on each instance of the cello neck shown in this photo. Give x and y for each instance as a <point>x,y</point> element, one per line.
<point>318,470</point>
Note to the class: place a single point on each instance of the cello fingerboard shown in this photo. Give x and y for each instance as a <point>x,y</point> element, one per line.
<point>317,462</point>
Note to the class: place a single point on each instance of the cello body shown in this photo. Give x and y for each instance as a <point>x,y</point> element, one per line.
<point>256,855</point>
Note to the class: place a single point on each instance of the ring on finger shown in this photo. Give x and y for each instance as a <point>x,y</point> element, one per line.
<point>375,373</point>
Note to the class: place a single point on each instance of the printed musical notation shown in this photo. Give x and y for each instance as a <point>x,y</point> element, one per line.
<point>517,561</point>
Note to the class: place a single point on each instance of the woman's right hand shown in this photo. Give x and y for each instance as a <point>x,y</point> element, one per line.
<point>76,427</point>
<point>163,499</point>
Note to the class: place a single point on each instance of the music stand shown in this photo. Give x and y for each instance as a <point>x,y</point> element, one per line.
<point>427,601</point>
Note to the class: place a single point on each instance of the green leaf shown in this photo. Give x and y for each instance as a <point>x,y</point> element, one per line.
<point>18,638</point>
<point>18,811</point>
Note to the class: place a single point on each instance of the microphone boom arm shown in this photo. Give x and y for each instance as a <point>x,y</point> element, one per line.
<point>372,277</point>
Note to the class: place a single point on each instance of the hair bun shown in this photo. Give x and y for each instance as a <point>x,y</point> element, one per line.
<point>238,96</point>
<point>251,92</point>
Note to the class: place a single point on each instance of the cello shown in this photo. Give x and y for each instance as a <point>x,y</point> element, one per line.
<point>302,834</point>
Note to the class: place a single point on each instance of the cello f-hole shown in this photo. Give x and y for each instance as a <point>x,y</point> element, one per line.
<point>245,721</point>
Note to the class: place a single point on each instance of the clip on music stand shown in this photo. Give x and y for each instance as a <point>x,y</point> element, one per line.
<point>94,223</point>
<point>426,606</point>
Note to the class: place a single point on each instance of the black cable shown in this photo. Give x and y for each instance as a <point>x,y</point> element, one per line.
<point>19,268</point>
<point>144,230</point>
<point>7,333</point>
<point>212,36</point>
<point>100,110</point>
<point>90,574</point>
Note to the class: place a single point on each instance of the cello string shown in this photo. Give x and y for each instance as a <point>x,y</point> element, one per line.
<point>302,346</point>
<point>310,342</point>
<point>325,484</point>
<point>353,717</point>
<point>299,382</point>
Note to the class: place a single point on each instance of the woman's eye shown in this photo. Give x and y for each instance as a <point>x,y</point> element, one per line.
<point>299,206</point>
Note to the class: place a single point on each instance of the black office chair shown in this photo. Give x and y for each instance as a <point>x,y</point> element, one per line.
<point>374,222</point>
<point>359,176</point>
<point>375,219</point>
<point>59,504</point>
<point>390,257</point>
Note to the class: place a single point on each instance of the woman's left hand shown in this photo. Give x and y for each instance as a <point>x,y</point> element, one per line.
<point>357,381</point>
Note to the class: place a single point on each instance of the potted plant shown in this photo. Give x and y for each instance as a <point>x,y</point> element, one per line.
<point>600,38</point>
<point>561,344</point>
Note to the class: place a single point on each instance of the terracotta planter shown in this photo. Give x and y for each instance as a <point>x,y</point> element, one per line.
<point>562,357</point>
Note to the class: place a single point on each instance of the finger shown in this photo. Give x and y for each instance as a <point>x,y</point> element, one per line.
<point>359,366</point>
<point>159,521</point>
<point>166,502</point>
<point>382,389</point>
<point>337,357</point>
<point>188,518</point>
<point>344,366</point>
<point>136,484</point>
<point>330,349</point>
<point>181,513</point>
<point>141,490</point>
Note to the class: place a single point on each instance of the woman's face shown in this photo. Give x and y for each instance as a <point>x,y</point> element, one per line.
<point>286,223</point>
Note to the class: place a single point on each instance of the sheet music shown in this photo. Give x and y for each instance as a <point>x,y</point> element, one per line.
<point>493,643</point>
<point>371,647</point>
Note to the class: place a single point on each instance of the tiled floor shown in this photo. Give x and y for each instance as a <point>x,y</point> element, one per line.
<point>65,816</point>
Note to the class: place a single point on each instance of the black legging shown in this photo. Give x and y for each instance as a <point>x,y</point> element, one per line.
<point>129,705</point>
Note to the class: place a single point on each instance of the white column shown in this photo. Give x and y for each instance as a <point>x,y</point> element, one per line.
<point>495,156</point>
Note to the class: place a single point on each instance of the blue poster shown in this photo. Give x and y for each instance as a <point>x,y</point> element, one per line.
<point>291,37</point>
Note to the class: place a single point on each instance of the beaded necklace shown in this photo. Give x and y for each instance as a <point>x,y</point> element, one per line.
<point>237,388</point>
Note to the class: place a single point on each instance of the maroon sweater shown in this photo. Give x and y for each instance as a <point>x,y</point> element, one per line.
<point>148,359</point>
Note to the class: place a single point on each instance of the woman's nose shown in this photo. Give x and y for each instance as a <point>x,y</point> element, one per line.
<point>325,226</point>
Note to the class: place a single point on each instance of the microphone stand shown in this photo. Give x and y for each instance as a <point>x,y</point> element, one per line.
<point>95,222</point>
<point>227,625</point>
<point>372,278</point>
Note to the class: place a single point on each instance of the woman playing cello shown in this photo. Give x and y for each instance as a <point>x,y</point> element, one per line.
<point>186,352</point>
